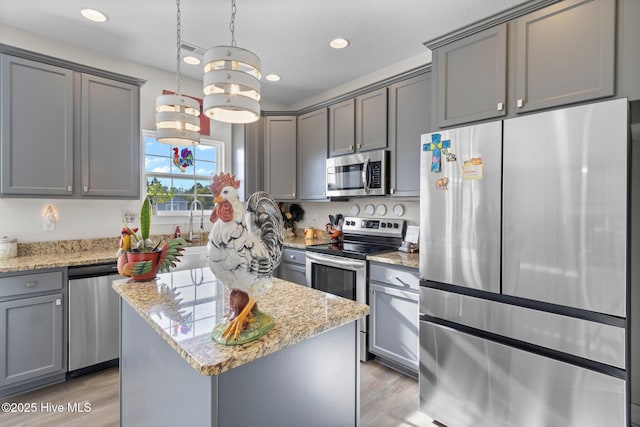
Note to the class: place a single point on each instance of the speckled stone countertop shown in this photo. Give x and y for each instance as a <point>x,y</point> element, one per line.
<point>65,253</point>
<point>299,242</point>
<point>184,306</point>
<point>397,258</point>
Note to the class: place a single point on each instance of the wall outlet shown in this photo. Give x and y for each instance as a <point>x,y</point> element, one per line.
<point>48,225</point>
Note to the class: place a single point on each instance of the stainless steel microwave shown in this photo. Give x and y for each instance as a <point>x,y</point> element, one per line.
<point>361,174</point>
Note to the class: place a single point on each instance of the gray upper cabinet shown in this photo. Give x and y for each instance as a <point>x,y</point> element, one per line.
<point>371,120</point>
<point>65,131</point>
<point>409,116</point>
<point>565,54</point>
<point>280,157</point>
<point>342,133</point>
<point>110,126</point>
<point>36,140</point>
<point>312,154</point>
<point>472,77</point>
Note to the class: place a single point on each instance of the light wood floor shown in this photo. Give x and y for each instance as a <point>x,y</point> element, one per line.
<point>387,399</point>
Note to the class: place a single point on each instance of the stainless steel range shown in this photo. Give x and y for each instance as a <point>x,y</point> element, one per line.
<point>341,269</point>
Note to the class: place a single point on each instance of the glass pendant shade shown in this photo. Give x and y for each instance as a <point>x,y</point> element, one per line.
<point>231,85</point>
<point>177,121</point>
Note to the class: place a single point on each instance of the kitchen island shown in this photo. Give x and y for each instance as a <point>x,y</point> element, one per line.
<point>304,371</point>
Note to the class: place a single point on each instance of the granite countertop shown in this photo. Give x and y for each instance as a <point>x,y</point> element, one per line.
<point>54,260</point>
<point>184,306</point>
<point>66,253</point>
<point>300,242</point>
<point>397,258</point>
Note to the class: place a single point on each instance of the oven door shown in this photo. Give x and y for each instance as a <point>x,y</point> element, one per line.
<point>344,277</point>
<point>340,276</point>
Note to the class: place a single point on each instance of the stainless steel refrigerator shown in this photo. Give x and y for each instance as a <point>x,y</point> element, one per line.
<point>523,267</point>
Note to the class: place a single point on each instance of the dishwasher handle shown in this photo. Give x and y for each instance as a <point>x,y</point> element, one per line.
<point>93,270</point>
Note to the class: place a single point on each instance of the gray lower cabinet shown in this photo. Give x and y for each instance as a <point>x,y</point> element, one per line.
<point>312,154</point>
<point>292,267</point>
<point>371,120</point>
<point>66,132</point>
<point>394,316</point>
<point>32,333</point>
<point>342,130</point>
<point>36,139</point>
<point>110,138</point>
<point>280,157</point>
<point>409,116</point>
<point>472,77</point>
<point>565,53</point>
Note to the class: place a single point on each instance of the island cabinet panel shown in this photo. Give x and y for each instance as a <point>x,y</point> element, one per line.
<point>312,383</point>
<point>110,132</point>
<point>565,53</point>
<point>371,120</point>
<point>312,154</point>
<point>36,139</point>
<point>409,117</point>
<point>342,131</point>
<point>472,77</point>
<point>32,339</point>
<point>280,157</point>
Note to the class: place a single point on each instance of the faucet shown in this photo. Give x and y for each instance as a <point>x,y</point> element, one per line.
<point>195,204</point>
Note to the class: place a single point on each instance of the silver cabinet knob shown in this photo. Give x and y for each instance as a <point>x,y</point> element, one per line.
<point>520,103</point>
<point>500,106</point>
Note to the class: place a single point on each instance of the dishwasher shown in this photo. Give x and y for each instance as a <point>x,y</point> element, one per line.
<point>94,318</point>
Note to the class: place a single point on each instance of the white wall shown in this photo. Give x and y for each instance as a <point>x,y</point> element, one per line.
<point>316,214</point>
<point>21,217</point>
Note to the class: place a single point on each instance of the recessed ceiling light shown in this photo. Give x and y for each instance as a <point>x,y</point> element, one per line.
<point>272,77</point>
<point>191,60</point>
<point>339,43</point>
<point>94,15</point>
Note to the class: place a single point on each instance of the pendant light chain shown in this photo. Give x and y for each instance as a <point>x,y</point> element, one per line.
<point>232,24</point>
<point>178,43</point>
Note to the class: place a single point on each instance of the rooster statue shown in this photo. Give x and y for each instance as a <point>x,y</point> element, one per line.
<point>245,246</point>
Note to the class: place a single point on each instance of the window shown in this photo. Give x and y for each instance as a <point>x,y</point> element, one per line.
<point>176,176</point>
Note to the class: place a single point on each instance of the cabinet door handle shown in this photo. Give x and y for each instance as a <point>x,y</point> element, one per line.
<point>520,103</point>
<point>402,281</point>
<point>500,106</point>
<point>31,284</point>
<point>69,188</point>
<point>292,256</point>
<point>86,188</point>
<point>392,190</point>
<point>351,148</point>
<point>359,146</point>
<point>58,301</point>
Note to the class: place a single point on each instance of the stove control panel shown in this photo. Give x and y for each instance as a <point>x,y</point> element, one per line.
<point>378,227</point>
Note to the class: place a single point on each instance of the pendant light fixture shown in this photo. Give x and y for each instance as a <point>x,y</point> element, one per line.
<point>177,121</point>
<point>231,81</point>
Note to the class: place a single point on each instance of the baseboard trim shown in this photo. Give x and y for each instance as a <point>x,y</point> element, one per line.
<point>635,415</point>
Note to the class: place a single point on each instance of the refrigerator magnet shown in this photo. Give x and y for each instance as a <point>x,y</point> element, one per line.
<point>442,183</point>
<point>436,146</point>
<point>449,155</point>
<point>473,168</point>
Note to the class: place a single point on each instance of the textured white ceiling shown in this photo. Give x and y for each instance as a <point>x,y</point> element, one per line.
<point>290,36</point>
